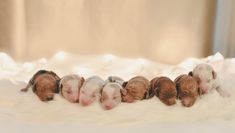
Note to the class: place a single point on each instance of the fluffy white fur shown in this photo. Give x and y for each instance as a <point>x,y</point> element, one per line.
<point>90,90</point>
<point>70,87</point>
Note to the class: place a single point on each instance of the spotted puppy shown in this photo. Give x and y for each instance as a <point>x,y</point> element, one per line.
<point>44,84</point>
<point>164,88</point>
<point>187,89</point>
<point>135,89</point>
<point>111,93</point>
<point>208,79</point>
<point>70,87</point>
<point>90,90</point>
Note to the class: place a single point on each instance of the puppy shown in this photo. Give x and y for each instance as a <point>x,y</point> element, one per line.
<point>44,84</point>
<point>90,89</point>
<point>164,88</point>
<point>135,89</point>
<point>111,93</point>
<point>208,79</point>
<point>187,89</point>
<point>70,87</point>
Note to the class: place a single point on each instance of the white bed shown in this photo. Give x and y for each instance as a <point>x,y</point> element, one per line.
<point>23,112</point>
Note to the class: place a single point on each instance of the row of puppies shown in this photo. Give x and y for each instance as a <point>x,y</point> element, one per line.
<point>114,90</point>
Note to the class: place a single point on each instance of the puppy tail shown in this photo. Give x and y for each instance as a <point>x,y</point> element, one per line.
<point>26,88</point>
<point>30,83</point>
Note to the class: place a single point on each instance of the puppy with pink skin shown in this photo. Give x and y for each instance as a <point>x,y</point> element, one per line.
<point>70,87</point>
<point>90,90</point>
<point>208,79</point>
<point>111,93</point>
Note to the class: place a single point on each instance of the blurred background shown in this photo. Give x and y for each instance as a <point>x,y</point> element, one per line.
<point>167,31</point>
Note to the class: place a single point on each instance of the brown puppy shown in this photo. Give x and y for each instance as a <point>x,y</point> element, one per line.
<point>164,88</point>
<point>135,89</point>
<point>44,84</point>
<point>187,89</point>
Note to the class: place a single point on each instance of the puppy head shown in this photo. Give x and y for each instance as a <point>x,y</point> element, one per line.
<point>110,95</point>
<point>188,89</point>
<point>207,77</point>
<point>45,86</point>
<point>90,90</point>
<point>70,87</point>
<point>135,89</point>
<point>165,90</point>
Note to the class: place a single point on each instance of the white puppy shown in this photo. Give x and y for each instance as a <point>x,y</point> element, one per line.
<point>111,93</point>
<point>70,87</point>
<point>90,90</point>
<point>208,79</point>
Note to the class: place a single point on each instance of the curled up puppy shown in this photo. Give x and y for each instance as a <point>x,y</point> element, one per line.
<point>187,89</point>
<point>44,84</point>
<point>135,89</point>
<point>164,88</point>
<point>90,90</point>
<point>111,92</point>
<point>208,79</point>
<point>70,87</point>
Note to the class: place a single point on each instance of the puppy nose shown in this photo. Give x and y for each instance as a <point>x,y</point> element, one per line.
<point>171,102</point>
<point>187,103</point>
<point>108,106</point>
<point>49,98</point>
<point>85,102</point>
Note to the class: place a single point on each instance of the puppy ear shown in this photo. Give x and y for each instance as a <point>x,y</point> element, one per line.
<point>177,86</point>
<point>124,84</point>
<point>190,73</point>
<point>123,92</point>
<point>57,89</point>
<point>60,87</point>
<point>198,80</point>
<point>153,87</point>
<point>214,74</point>
<point>34,88</point>
<point>82,81</point>
<point>157,92</point>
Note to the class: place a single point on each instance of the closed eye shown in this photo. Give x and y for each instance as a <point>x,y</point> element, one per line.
<point>114,98</point>
<point>68,91</point>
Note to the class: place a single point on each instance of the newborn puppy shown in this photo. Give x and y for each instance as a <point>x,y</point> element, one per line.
<point>208,79</point>
<point>70,87</point>
<point>111,93</point>
<point>164,88</point>
<point>135,89</point>
<point>90,89</point>
<point>44,84</point>
<point>187,89</point>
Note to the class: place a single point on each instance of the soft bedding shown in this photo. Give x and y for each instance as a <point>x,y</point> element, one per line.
<point>24,112</point>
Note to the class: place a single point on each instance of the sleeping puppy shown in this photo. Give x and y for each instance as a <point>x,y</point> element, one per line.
<point>208,79</point>
<point>70,87</point>
<point>187,89</point>
<point>90,89</point>
<point>111,93</point>
<point>44,84</point>
<point>135,89</point>
<point>164,88</point>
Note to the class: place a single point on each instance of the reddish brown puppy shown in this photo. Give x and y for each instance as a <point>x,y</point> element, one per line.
<point>187,89</point>
<point>135,89</point>
<point>164,88</point>
<point>44,84</point>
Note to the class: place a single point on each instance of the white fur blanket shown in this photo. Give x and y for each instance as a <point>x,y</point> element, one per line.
<point>23,112</point>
